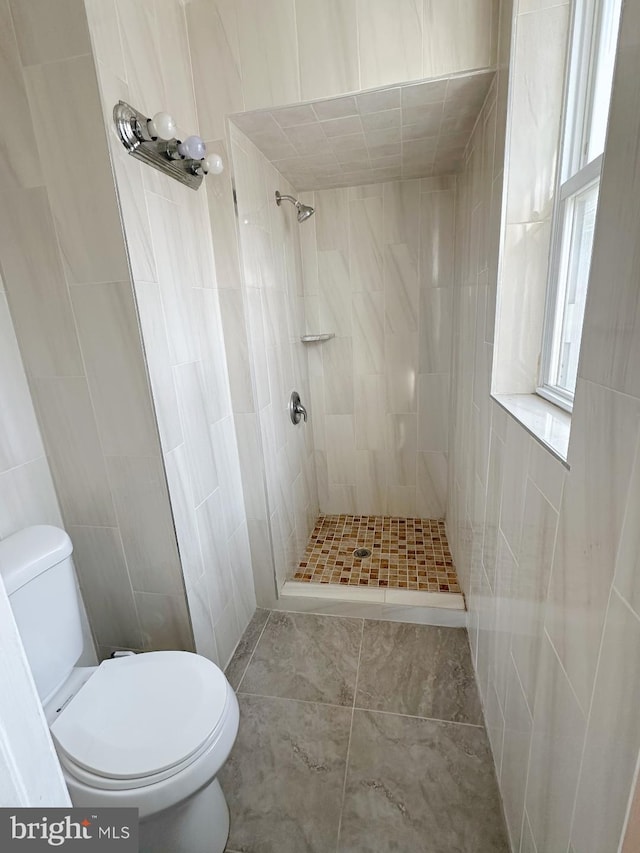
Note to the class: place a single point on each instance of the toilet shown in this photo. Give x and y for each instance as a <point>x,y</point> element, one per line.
<point>149,731</point>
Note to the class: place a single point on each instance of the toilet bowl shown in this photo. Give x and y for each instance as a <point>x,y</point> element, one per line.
<point>148,731</point>
<point>151,731</point>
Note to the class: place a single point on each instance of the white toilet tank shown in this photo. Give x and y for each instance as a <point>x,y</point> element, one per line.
<point>38,573</point>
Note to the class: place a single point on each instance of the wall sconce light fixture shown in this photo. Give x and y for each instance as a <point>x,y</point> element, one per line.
<point>153,140</point>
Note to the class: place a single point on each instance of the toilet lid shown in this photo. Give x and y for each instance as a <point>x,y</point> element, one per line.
<point>143,714</point>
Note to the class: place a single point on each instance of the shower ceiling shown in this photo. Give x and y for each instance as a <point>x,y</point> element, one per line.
<point>413,131</point>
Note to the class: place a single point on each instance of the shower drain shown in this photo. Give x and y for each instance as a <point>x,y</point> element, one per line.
<point>362,552</point>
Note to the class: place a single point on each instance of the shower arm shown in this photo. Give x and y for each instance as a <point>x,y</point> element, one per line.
<point>280,198</point>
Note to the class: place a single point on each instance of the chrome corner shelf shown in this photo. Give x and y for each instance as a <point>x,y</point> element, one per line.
<point>316,339</point>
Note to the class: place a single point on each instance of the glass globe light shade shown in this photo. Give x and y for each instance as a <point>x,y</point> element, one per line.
<point>162,126</point>
<point>214,164</point>
<point>193,148</point>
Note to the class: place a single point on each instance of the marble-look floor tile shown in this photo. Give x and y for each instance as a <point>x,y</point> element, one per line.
<point>303,656</point>
<point>419,670</point>
<point>242,655</point>
<point>283,782</point>
<point>419,785</point>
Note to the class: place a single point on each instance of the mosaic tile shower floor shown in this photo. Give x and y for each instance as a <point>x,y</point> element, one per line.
<point>406,553</point>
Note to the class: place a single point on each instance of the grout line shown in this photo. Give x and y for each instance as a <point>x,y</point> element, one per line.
<point>527,766</point>
<point>297,51</point>
<point>292,699</point>
<point>624,601</point>
<point>328,615</point>
<point>630,397</point>
<point>592,698</point>
<point>353,712</point>
<point>502,740</point>
<point>358,53</point>
<point>426,719</point>
<point>38,458</point>
<point>630,803</point>
<point>59,61</point>
<point>185,25</point>
<point>572,689</point>
<point>266,622</point>
<point>528,822</point>
<point>521,685</point>
<point>360,708</point>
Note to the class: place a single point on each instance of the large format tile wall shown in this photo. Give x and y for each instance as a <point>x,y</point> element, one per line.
<point>264,53</point>
<point>27,491</point>
<point>142,56</point>
<point>549,556</point>
<point>378,273</point>
<point>273,299</point>
<point>27,494</point>
<point>65,271</point>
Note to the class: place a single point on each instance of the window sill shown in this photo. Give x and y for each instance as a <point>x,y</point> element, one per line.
<point>548,424</point>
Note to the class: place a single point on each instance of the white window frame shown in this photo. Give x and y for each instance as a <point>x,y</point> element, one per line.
<point>575,175</point>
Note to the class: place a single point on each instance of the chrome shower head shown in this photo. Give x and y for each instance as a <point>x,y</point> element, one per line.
<point>303,210</point>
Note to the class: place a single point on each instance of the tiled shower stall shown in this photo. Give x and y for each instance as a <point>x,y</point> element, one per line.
<point>374,268</point>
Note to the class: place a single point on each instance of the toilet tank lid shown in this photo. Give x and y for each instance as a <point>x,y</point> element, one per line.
<point>26,554</point>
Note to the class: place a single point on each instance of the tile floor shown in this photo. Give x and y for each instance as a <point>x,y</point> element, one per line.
<point>406,553</point>
<point>358,736</point>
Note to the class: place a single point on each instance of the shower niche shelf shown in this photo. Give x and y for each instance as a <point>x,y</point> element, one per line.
<point>317,339</point>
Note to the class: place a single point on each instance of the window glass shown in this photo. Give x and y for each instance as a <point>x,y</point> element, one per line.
<point>603,78</point>
<point>586,115</point>
<point>580,224</point>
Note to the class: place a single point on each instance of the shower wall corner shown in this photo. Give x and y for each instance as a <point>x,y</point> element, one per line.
<point>277,458</point>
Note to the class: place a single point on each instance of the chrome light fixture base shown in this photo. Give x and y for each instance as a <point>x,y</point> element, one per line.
<point>131,127</point>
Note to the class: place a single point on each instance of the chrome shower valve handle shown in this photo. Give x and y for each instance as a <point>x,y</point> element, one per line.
<point>296,409</point>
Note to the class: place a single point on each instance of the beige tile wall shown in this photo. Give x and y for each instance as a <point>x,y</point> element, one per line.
<point>316,50</point>
<point>65,269</point>
<point>278,459</point>
<point>378,263</point>
<point>27,494</point>
<point>27,491</point>
<point>549,557</point>
<point>142,56</point>
<point>265,53</point>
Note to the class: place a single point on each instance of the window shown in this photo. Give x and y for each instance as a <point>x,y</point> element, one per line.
<point>588,92</point>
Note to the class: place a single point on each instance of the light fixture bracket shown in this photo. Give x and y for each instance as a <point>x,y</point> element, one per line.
<point>131,127</point>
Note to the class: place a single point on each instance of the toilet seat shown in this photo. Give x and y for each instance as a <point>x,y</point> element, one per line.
<point>141,719</point>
